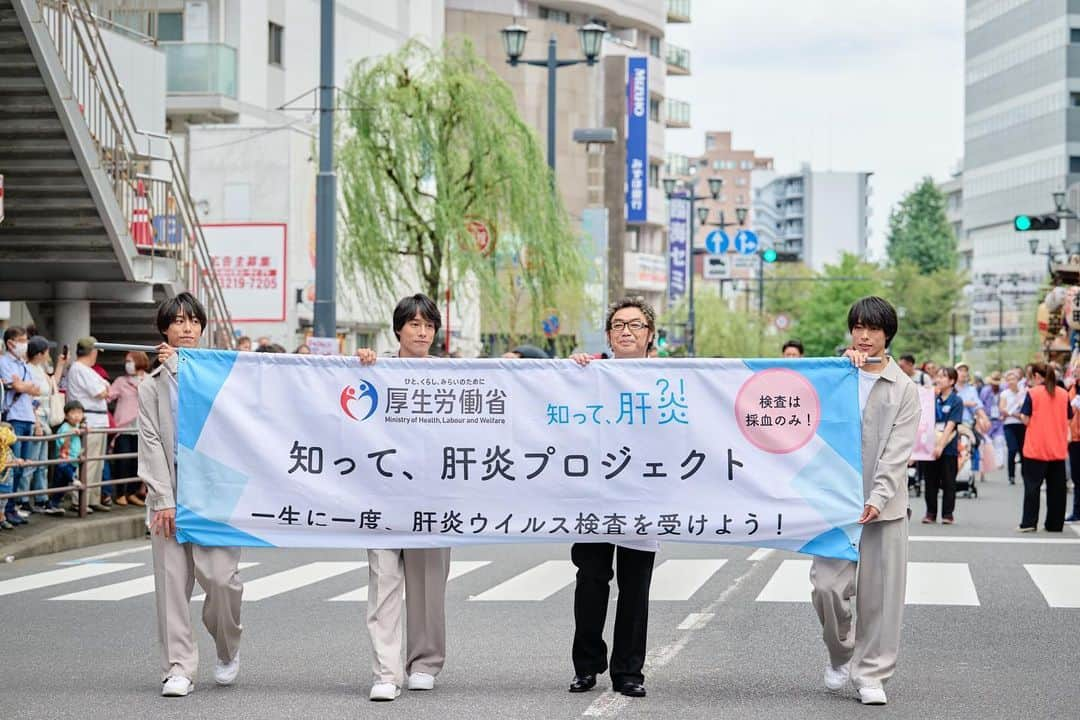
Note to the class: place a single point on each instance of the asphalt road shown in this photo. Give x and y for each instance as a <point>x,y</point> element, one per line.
<point>992,630</point>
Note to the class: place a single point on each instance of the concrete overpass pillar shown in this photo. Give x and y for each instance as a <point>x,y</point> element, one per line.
<point>72,322</point>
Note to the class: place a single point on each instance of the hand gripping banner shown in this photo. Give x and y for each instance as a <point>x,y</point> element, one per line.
<point>308,451</point>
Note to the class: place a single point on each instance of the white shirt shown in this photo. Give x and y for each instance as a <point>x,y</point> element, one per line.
<point>1013,402</point>
<point>83,384</point>
<point>866,383</point>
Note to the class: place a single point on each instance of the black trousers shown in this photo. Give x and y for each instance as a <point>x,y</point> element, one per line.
<point>1074,465</point>
<point>1035,471</point>
<point>941,475</point>
<point>1014,441</point>
<point>634,573</point>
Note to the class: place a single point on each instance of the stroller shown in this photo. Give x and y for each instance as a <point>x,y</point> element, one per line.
<point>967,463</point>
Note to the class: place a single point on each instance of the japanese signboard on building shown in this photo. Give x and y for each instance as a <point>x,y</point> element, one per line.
<point>678,247</point>
<point>249,260</point>
<point>429,453</point>
<point>637,137</point>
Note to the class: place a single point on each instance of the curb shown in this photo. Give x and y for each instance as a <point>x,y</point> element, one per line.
<point>74,533</point>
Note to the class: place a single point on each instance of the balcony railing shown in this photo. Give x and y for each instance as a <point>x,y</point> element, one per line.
<point>678,60</point>
<point>200,69</point>
<point>678,11</point>
<point>678,113</point>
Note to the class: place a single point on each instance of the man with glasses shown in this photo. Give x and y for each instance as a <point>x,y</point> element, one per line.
<point>631,329</point>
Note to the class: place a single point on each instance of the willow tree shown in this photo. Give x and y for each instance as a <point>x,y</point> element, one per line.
<point>433,143</point>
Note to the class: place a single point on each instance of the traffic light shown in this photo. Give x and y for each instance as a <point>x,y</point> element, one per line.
<point>1024,223</point>
<point>768,255</point>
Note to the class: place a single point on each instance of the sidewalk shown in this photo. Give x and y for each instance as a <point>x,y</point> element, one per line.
<point>49,534</point>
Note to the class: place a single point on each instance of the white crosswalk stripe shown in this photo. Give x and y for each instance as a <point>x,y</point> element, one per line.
<point>1059,584</point>
<point>927,584</point>
<point>677,580</point>
<point>536,583</point>
<point>457,569</point>
<point>277,583</point>
<point>63,575</point>
<point>123,590</point>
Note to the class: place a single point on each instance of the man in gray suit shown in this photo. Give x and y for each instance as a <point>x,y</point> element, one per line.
<point>181,321</point>
<point>889,404</point>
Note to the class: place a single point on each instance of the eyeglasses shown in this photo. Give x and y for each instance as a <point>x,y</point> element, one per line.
<point>634,326</point>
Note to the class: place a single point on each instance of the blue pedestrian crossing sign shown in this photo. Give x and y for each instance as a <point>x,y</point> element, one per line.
<point>717,242</point>
<point>746,242</point>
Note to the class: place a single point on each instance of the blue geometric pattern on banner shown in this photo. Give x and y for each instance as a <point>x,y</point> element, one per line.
<point>842,399</point>
<point>194,528</point>
<point>832,495</point>
<point>832,543</point>
<point>199,383</point>
<point>207,487</point>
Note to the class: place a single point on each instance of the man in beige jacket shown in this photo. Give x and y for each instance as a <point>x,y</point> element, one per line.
<point>181,321</point>
<point>889,404</point>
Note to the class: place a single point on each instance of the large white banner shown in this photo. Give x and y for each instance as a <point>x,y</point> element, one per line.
<point>307,451</point>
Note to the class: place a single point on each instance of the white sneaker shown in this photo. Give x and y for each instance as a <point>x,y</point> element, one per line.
<point>872,695</point>
<point>836,678</point>
<point>225,673</point>
<point>177,686</point>
<point>421,681</point>
<point>384,691</point>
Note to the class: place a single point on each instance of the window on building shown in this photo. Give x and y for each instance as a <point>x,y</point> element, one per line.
<point>1074,35</point>
<point>170,27</point>
<point>654,175</point>
<point>654,46</point>
<point>1074,99</point>
<point>746,165</point>
<point>740,181</point>
<point>710,142</point>
<point>633,240</point>
<point>276,53</point>
<point>1074,164</point>
<point>559,16</point>
<point>654,109</point>
<point>740,199</point>
<point>718,165</point>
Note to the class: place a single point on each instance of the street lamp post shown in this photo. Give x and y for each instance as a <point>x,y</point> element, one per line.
<point>715,183</point>
<point>591,36</point>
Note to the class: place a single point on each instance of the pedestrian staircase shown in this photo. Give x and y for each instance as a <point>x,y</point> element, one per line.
<point>83,183</point>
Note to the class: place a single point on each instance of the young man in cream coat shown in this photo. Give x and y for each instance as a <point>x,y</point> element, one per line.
<point>888,402</point>
<point>420,574</point>
<point>181,321</point>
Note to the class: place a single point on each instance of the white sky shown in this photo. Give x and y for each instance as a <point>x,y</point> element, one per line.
<point>875,85</point>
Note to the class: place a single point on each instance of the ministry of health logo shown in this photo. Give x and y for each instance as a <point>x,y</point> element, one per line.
<point>363,392</point>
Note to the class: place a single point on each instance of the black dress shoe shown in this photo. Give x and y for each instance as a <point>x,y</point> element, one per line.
<point>631,689</point>
<point>583,683</point>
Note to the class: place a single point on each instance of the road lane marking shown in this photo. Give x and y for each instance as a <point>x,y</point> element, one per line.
<point>295,578</point>
<point>122,590</point>
<point>1059,584</point>
<point>535,584</point>
<point>457,569</point>
<point>106,556</point>
<point>927,584</point>
<point>677,580</point>
<point>760,554</point>
<point>63,575</point>
<point>996,540</point>
<point>694,621</point>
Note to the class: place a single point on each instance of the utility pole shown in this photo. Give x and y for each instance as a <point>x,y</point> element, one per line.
<point>326,184</point>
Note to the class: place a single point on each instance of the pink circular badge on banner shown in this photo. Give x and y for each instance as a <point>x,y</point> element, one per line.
<point>778,410</point>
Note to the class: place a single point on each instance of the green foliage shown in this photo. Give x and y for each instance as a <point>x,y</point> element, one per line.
<point>721,331</point>
<point>788,298</point>
<point>919,232</point>
<point>822,325</point>
<point>433,141</point>
<point>926,302</point>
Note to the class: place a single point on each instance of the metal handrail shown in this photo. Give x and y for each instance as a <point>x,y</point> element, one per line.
<point>75,32</point>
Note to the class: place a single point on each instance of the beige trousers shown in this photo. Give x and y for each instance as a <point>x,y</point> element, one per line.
<point>176,567</point>
<point>421,576</point>
<point>879,583</point>
<point>93,447</point>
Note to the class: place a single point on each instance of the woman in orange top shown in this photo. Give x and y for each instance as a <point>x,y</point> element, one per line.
<point>1046,413</point>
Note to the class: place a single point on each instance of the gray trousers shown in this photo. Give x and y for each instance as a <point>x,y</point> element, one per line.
<point>872,641</point>
<point>420,575</point>
<point>176,567</point>
<point>93,446</point>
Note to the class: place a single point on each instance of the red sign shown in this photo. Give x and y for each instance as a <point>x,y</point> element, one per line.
<point>482,234</point>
